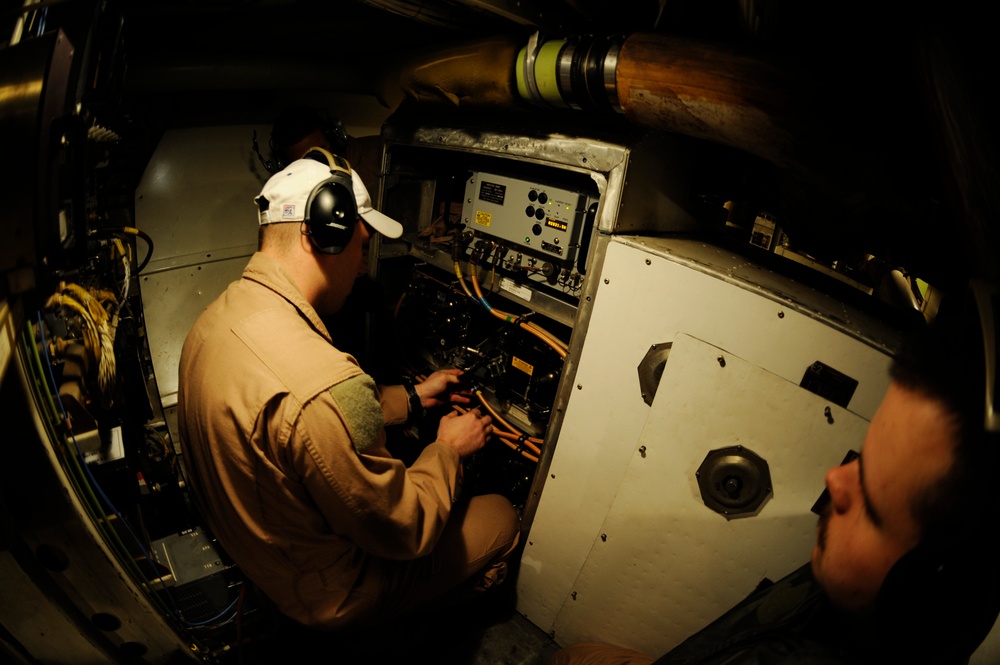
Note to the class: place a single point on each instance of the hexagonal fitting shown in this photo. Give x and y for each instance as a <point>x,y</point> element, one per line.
<point>734,481</point>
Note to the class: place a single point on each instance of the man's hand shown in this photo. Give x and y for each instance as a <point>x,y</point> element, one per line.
<point>464,433</point>
<point>443,387</point>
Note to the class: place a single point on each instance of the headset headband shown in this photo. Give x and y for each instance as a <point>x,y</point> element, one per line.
<point>335,162</point>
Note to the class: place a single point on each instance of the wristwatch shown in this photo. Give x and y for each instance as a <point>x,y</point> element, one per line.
<point>416,408</point>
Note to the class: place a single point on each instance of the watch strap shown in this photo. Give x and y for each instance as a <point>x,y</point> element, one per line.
<point>416,408</point>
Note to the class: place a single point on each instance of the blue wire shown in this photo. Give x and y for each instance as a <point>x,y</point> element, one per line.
<point>79,454</point>
<point>107,501</point>
<point>214,619</point>
<point>93,481</point>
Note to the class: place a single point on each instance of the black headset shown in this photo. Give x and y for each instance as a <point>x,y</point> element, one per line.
<point>331,209</point>
<point>293,125</point>
<point>942,598</point>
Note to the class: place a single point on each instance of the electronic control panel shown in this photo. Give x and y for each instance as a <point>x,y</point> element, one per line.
<point>545,220</point>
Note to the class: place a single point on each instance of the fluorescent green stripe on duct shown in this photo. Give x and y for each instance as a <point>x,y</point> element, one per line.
<point>545,73</point>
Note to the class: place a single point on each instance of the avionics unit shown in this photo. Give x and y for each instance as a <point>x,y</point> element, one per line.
<point>536,217</point>
<point>489,275</point>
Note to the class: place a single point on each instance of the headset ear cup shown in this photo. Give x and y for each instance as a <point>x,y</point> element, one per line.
<point>939,602</point>
<point>331,215</point>
<point>331,210</point>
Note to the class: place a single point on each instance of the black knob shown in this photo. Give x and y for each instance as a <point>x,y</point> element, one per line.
<point>732,486</point>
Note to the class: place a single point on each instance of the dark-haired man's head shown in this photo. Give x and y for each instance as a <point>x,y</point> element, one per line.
<point>901,537</point>
<point>299,128</point>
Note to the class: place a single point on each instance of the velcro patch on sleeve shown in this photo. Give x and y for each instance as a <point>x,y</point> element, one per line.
<point>358,401</point>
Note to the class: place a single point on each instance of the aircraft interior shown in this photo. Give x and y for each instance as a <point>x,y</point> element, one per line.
<point>672,244</point>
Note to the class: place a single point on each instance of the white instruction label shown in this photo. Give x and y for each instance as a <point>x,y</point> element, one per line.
<point>508,285</point>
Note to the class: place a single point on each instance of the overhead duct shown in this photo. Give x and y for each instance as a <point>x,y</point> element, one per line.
<point>666,83</point>
<point>659,82</point>
<point>474,74</point>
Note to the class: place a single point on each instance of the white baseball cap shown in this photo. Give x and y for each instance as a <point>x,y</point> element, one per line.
<point>287,193</point>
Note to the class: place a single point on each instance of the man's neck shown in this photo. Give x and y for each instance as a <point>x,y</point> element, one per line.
<point>300,267</point>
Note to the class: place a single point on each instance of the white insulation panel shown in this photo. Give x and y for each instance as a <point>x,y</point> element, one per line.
<point>622,548</point>
<point>664,562</point>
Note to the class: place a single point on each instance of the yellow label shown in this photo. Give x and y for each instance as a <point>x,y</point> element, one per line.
<point>521,365</point>
<point>483,218</point>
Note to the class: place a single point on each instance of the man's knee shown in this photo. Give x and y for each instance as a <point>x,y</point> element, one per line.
<point>497,521</point>
<point>492,531</point>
